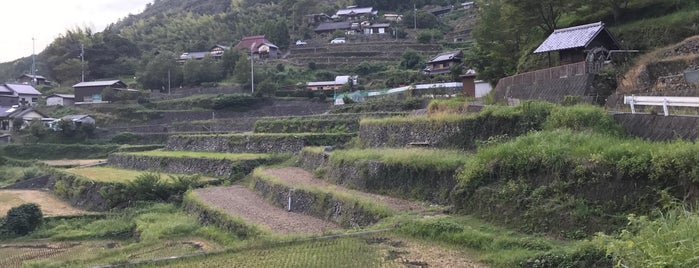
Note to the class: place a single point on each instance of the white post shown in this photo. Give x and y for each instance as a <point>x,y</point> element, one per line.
<point>289,205</point>
<point>665,107</point>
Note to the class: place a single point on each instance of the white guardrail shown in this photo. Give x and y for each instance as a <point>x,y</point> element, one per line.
<point>664,101</point>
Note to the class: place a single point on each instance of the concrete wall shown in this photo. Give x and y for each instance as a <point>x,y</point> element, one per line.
<point>552,84</point>
<point>659,127</point>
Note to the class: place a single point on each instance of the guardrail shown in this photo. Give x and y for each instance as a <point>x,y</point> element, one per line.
<point>664,101</point>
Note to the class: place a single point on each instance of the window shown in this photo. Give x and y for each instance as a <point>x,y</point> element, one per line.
<point>97,98</point>
<point>35,100</point>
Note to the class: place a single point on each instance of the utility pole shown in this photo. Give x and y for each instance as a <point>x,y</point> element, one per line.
<point>82,63</point>
<point>252,71</point>
<point>414,17</point>
<point>33,70</point>
<point>168,81</point>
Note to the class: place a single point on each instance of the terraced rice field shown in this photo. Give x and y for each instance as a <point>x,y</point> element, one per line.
<point>50,205</point>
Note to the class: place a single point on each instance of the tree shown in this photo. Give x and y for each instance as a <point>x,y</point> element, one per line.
<point>617,6</point>
<point>266,88</point>
<point>420,18</point>
<point>23,219</point>
<point>68,72</point>
<point>242,70</point>
<point>544,14</point>
<point>154,74</point>
<point>410,60</point>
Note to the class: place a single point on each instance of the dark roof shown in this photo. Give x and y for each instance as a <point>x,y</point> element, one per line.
<point>23,89</point>
<point>7,112</point>
<point>75,117</point>
<point>110,83</point>
<point>33,76</point>
<point>64,96</point>
<point>4,89</point>
<point>257,40</point>
<point>447,56</point>
<point>573,37</point>
<point>355,11</point>
<point>331,26</point>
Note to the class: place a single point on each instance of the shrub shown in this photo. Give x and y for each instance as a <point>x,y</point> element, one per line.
<point>23,219</point>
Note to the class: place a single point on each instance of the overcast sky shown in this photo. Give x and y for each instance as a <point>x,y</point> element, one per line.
<point>47,19</point>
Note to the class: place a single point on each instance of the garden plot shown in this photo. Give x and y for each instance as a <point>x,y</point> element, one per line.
<point>50,205</point>
<point>117,175</point>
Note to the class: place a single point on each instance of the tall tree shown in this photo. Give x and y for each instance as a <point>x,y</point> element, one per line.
<point>544,14</point>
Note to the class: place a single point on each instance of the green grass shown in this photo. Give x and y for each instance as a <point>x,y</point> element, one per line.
<point>500,247</point>
<point>667,240</point>
<point>411,157</point>
<point>342,252</point>
<point>194,154</point>
<point>118,175</point>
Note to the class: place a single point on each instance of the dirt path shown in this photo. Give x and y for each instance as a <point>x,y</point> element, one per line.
<point>294,175</point>
<point>50,205</point>
<point>242,202</point>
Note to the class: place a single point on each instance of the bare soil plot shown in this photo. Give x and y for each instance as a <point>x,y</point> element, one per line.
<point>296,176</point>
<point>50,205</point>
<point>242,202</point>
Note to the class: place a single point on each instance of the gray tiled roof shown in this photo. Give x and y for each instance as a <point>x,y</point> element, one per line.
<point>5,90</point>
<point>573,37</point>
<point>359,10</point>
<point>97,83</point>
<point>446,56</point>
<point>23,89</point>
<point>65,96</point>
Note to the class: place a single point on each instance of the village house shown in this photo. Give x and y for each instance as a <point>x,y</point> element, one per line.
<point>8,116</point>
<point>260,47</point>
<point>91,92</point>
<point>26,94</point>
<point>576,44</point>
<point>338,83</point>
<point>33,80</point>
<point>60,99</point>
<point>354,13</point>
<point>442,63</point>
<point>76,120</point>
<point>8,97</point>
<point>377,28</point>
<point>330,27</point>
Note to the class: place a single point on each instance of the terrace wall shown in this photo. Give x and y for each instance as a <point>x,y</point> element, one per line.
<point>186,165</point>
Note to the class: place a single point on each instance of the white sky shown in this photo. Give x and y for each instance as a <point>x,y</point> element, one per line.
<point>47,19</point>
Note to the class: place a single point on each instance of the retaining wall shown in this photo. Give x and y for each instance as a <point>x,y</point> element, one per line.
<point>659,127</point>
<point>345,212</point>
<point>187,165</point>
<point>257,143</point>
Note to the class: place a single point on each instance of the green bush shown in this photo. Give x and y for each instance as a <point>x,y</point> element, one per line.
<point>583,117</point>
<point>23,219</point>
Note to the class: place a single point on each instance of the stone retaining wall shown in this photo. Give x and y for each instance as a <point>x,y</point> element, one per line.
<point>187,165</point>
<point>345,212</point>
<point>256,143</point>
<point>80,192</point>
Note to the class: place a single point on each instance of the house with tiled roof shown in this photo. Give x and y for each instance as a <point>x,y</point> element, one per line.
<point>8,97</point>
<point>216,52</point>
<point>336,84</point>
<point>330,27</point>
<point>574,44</point>
<point>26,94</point>
<point>10,114</point>
<point>260,47</point>
<point>442,63</point>
<point>353,13</point>
<point>33,79</point>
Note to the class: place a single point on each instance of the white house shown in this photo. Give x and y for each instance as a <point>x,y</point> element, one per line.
<point>60,99</point>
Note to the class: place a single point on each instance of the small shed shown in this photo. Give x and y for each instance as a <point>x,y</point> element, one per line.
<point>576,44</point>
<point>92,91</point>
<point>60,99</point>
<point>79,119</point>
<point>9,114</point>
<point>377,28</point>
<point>330,27</point>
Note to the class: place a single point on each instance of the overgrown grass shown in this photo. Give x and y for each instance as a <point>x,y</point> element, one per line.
<point>415,158</point>
<point>451,105</point>
<point>118,175</point>
<point>669,239</point>
<point>500,247</point>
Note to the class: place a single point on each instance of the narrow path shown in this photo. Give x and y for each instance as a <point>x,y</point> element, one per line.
<point>294,175</point>
<point>243,202</point>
